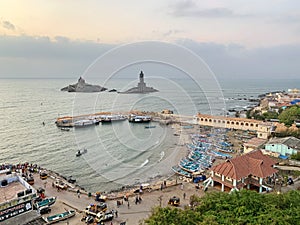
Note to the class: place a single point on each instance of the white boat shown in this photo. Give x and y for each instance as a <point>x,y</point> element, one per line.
<point>112,118</point>
<point>139,119</point>
<point>83,123</point>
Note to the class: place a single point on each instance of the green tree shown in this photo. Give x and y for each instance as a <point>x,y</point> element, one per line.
<point>289,115</point>
<point>243,207</point>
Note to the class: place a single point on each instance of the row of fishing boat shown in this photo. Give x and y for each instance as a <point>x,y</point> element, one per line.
<point>97,119</point>
<point>202,152</point>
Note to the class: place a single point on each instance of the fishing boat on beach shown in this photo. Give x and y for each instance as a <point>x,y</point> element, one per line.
<point>46,202</point>
<point>59,217</point>
<point>181,172</point>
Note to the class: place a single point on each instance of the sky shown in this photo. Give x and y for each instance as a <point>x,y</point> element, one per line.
<point>61,38</point>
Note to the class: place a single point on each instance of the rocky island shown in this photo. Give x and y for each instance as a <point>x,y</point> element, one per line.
<point>141,88</point>
<point>81,86</point>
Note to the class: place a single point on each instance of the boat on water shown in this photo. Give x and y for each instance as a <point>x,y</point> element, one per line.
<point>112,118</point>
<point>86,122</point>
<point>148,127</point>
<point>46,202</point>
<point>139,119</point>
<point>80,152</point>
<point>59,217</point>
<point>65,129</point>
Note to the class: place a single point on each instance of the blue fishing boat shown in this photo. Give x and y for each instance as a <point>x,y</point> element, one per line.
<point>59,217</point>
<point>45,202</point>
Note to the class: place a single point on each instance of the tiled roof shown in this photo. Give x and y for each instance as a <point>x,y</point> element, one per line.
<point>254,163</point>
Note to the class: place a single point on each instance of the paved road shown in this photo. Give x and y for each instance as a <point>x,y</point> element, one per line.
<point>132,215</point>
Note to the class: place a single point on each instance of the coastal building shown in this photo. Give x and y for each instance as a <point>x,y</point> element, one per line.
<point>16,196</point>
<point>252,171</point>
<point>253,144</point>
<point>263,129</point>
<point>141,88</point>
<point>284,146</point>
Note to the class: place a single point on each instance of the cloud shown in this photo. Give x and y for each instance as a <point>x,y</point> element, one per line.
<point>8,25</point>
<point>189,8</point>
<point>30,56</point>
<point>228,61</point>
<point>171,32</point>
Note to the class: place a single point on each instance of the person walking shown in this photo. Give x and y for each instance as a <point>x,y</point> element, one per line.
<point>128,203</point>
<point>184,195</point>
<point>116,213</point>
<point>78,193</point>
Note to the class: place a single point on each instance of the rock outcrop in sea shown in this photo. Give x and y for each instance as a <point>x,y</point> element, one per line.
<point>141,88</point>
<point>81,86</point>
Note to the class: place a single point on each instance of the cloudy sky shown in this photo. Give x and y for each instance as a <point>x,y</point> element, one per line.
<point>43,38</point>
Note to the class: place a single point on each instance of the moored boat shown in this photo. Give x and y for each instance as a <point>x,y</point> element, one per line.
<point>181,172</point>
<point>139,119</point>
<point>84,123</point>
<point>148,127</point>
<point>59,217</point>
<point>112,118</point>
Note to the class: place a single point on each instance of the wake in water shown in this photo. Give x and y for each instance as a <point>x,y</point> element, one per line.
<point>162,154</point>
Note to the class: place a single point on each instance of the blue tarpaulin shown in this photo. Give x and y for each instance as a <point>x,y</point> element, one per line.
<point>295,101</point>
<point>282,157</point>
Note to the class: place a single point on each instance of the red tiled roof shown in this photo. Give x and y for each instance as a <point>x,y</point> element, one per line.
<point>254,163</point>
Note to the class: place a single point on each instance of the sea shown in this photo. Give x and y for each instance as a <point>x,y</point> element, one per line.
<point>118,154</point>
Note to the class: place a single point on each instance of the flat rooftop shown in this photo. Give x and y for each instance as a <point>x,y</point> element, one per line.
<point>10,191</point>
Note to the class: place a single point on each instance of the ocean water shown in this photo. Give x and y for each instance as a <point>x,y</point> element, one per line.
<point>120,153</point>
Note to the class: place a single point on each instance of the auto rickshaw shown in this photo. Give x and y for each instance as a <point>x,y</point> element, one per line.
<point>175,201</point>
<point>43,175</point>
